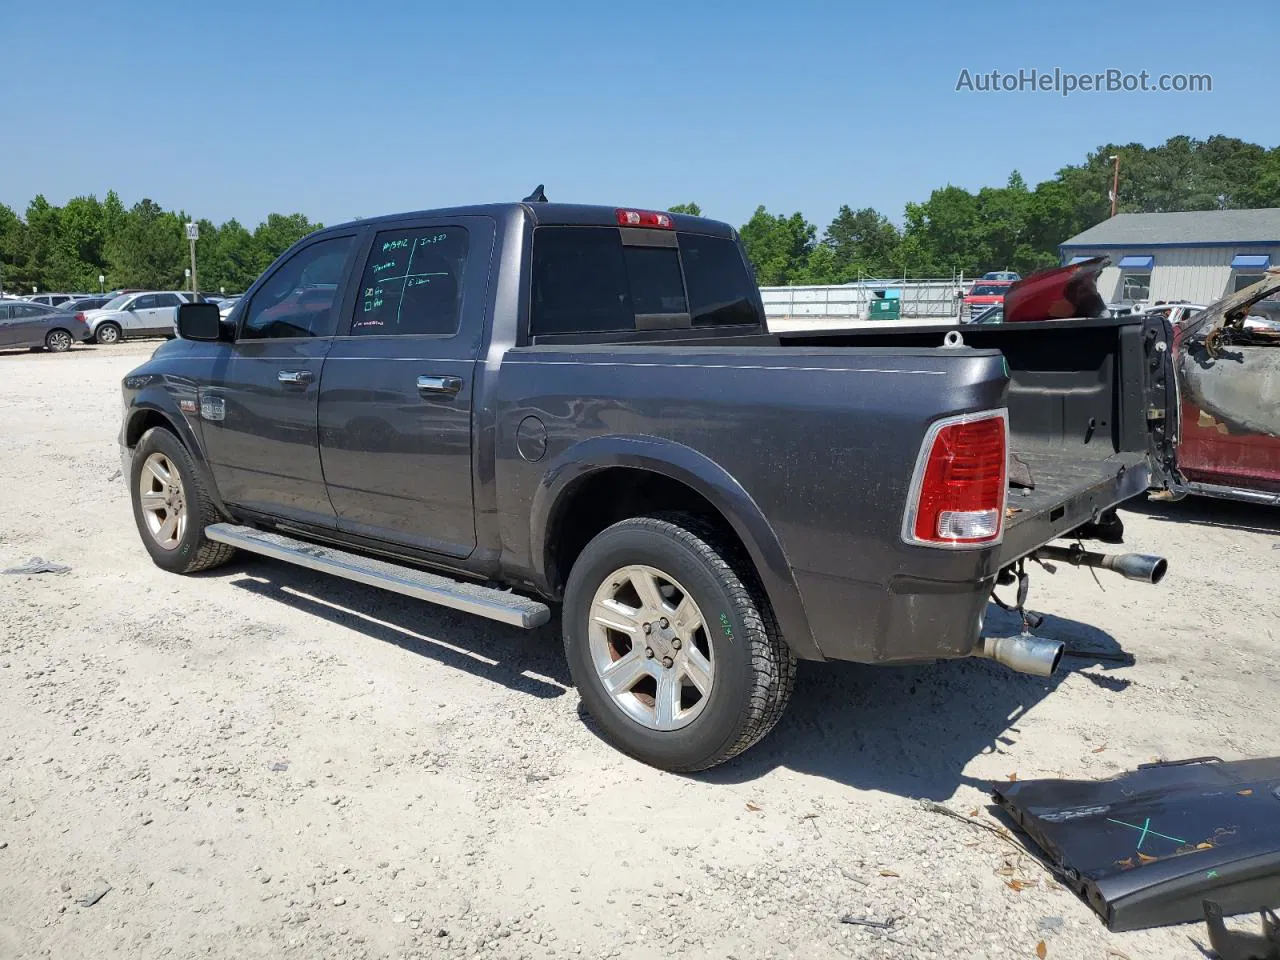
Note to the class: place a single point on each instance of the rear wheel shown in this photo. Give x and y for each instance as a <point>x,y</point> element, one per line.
<point>673,648</point>
<point>108,333</point>
<point>171,506</point>
<point>57,341</point>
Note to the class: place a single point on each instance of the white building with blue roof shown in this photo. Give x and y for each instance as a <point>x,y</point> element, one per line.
<point>1198,256</point>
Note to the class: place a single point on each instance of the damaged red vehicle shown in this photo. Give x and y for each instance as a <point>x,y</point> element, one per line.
<point>1227,365</point>
<point>1228,379</point>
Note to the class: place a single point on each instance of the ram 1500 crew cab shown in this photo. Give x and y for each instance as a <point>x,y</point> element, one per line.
<point>510,407</point>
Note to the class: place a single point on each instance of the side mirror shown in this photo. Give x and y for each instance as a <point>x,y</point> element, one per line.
<point>199,321</point>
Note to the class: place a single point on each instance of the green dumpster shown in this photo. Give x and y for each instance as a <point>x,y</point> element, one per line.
<point>886,305</point>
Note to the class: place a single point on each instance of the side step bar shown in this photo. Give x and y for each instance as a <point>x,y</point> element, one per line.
<point>432,587</point>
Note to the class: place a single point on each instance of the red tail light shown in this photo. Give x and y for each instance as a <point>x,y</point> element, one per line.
<point>81,317</point>
<point>645,218</point>
<point>958,491</point>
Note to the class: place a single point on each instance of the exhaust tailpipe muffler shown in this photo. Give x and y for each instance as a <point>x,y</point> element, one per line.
<point>1023,653</point>
<point>1131,566</point>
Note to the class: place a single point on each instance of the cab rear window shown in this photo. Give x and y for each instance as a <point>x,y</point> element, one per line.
<point>586,280</point>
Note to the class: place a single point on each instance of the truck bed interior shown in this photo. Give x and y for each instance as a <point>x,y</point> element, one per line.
<point>1073,420</point>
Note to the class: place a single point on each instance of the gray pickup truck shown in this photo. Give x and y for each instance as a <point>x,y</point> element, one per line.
<point>511,408</point>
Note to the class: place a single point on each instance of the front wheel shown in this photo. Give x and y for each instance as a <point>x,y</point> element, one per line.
<point>673,647</point>
<point>171,506</point>
<point>57,341</point>
<point>108,333</point>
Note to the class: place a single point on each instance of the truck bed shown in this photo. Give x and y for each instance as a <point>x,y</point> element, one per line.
<point>1085,438</point>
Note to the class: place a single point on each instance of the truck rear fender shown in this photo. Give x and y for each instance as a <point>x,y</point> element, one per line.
<point>567,476</point>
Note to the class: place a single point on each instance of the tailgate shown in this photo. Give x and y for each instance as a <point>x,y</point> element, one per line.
<point>1092,408</point>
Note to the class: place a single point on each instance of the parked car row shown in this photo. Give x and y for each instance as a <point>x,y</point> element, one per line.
<point>56,321</point>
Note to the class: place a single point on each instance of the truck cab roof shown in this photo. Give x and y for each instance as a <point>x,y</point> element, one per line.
<point>553,214</point>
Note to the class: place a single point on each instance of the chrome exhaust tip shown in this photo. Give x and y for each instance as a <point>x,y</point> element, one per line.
<point>1132,566</point>
<point>1024,653</point>
<point>1137,566</point>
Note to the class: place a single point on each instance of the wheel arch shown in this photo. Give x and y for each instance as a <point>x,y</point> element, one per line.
<point>605,479</point>
<point>150,410</point>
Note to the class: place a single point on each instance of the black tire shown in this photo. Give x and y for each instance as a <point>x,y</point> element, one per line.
<point>194,552</point>
<point>108,333</point>
<point>754,668</point>
<point>58,341</point>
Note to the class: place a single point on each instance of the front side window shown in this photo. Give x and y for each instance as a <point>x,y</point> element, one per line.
<point>412,283</point>
<point>297,300</point>
<point>1135,287</point>
<point>145,302</point>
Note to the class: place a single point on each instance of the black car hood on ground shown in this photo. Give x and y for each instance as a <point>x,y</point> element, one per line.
<point>1147,847</point>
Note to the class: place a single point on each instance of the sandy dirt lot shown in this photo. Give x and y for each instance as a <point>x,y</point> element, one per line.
<point>265,762</point>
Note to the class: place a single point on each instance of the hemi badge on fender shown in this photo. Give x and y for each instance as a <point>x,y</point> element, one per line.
<point>213,408</point>
<point>187,406</point>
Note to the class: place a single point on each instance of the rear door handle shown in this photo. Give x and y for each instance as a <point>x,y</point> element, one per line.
<point>449,386</point>
<point>295,378</point>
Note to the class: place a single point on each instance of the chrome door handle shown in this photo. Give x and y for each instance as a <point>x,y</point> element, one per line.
<point>449,386</point>
<point>295,377</point>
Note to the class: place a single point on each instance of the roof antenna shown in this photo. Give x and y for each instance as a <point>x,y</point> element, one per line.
<point>538,196</point>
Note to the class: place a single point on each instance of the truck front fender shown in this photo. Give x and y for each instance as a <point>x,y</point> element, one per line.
<point>700,474</point>
<point>156,406</point>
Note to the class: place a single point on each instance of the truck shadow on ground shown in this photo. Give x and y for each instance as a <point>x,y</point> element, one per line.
<point>911,731</point>
<point>518,659</point>
<point>904,730</point>
<point>1207,512</point>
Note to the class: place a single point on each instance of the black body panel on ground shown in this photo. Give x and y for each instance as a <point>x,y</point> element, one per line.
<point>1147,847</point>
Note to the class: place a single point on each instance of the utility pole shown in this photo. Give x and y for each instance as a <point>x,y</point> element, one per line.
<point>1115,182</point>
<point>193,234</point>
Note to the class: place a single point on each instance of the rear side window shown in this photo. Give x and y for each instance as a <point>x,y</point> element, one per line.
<point>28,310</point>
<point>412,283</point>
<point>586,280</point>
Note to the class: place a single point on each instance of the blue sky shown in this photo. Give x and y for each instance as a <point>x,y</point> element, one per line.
<point>342,109</point>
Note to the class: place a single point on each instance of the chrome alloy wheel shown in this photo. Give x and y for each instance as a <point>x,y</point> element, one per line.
<point>650,647</point>
<point>163,501</point>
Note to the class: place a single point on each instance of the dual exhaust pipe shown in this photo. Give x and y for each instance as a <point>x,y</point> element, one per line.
<point>1039,657</point>
<point>1132,566</point>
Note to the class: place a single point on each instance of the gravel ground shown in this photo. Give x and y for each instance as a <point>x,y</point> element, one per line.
<point>266,762</point>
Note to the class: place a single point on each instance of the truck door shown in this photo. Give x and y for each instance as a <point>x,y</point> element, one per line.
<point>258,410</point>
<point>396,394</point>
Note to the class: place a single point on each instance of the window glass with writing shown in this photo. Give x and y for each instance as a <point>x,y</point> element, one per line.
<point>412,283</point>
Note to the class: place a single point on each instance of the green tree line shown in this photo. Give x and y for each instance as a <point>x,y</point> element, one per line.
<point>69,247</point>
<point>1011,227</point>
